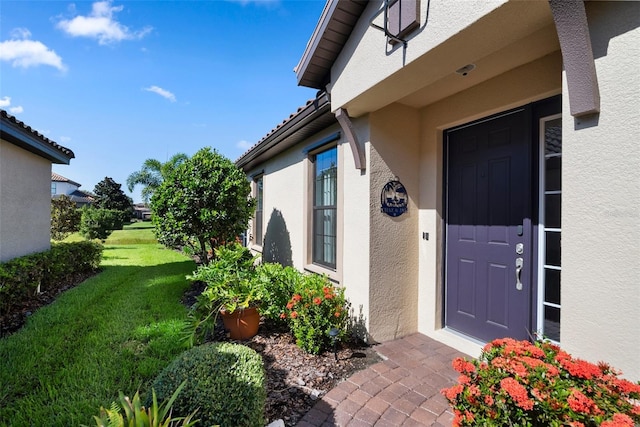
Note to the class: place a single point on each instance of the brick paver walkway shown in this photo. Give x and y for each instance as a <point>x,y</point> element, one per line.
<point>403,390</point>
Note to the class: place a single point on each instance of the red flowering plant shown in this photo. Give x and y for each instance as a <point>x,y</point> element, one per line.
<point>538,384</point>
<point>315,308</point>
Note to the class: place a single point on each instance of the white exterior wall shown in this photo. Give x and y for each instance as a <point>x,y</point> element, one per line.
<point>600,314</point>
<point>65,187</point>
<point>25,202</point>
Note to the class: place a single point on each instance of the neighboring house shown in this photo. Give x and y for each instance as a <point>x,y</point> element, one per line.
<point>469,141</point>
<point>25,199</point>
<point>61,186</point>
<point>142,211</point>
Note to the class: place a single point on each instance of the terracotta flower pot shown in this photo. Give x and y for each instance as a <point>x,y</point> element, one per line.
<point>241,324</point>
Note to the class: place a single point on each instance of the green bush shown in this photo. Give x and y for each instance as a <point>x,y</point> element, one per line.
<point>279,284</point>
<point>21,277</point>
<point>315,308</point>
<point>99,223</point>
<point>224,381</point>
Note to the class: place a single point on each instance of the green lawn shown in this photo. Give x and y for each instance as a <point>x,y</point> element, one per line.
<point>132,234</point>
<point>114,332</point>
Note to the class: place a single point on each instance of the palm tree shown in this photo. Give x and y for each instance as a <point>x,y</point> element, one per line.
<point>153,173</point>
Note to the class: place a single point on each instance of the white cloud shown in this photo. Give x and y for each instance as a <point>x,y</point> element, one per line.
<point>243,145</point>
<point>29,53</point>
<point>268,3</point>
<point>5,102</point>
<point>64,139</point>
<point>16,110</point>
<point>20,33</point>
<point>101,24</point>
<point>162,92</point>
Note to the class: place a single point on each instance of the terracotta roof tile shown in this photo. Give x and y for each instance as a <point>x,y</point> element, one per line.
<point>67,152</point>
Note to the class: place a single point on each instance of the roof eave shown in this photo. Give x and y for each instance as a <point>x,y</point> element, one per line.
<point>319,77</point>
<point>284,136</point>
<point>24,137</point>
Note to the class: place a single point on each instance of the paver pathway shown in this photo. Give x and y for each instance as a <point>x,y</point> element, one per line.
<point>403,390</point>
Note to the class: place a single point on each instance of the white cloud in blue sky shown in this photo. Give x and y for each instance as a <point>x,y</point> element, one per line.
<point>100,24</point>
<point>162,92</point>
<point>5,102</point>
<point>243,145</point>
<point>22,52</point>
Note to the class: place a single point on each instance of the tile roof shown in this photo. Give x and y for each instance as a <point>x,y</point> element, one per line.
<point>308,119</point>
<point>27,130</point>
<point>59,178</point>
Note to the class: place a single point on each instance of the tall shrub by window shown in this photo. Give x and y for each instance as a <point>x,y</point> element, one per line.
<point>325,199</point>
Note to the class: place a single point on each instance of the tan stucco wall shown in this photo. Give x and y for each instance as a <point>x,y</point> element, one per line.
<point>601,200</point>
<point>393,273</point>
<point>501,93</point>
<point>25,202</point>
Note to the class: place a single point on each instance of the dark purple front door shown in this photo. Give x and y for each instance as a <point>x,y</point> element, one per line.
<point>488,227</point>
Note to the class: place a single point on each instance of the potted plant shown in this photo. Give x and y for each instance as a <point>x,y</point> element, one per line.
<point>231,290</point>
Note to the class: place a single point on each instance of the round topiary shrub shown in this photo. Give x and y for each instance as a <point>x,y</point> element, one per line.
<point>224,381</point>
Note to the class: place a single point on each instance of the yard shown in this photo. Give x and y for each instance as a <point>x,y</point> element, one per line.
<point>117,330</point>
<point>112,333</point>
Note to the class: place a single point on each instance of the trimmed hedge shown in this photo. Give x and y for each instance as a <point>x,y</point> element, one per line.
<point>20,277</point>
<point>224,381</point>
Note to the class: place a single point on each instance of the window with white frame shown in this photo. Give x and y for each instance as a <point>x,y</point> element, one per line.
<point>53,188</point>
<point>258,222</point>
<point>325,200</point>
<point>550,226</point>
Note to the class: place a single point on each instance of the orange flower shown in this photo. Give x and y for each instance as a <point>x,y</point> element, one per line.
<point>517,392</point>
<point>290,305</point>
<point>297,298</point>
<point>618,420</point>
<point>317,300</point>
<point>581,403</point>
<point>283,316</point>
<point>294,314</point>
<point>337,314</point>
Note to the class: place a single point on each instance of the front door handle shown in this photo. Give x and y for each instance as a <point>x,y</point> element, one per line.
<point>519,264</point>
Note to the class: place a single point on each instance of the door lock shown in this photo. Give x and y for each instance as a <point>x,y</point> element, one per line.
<point>519,248</point>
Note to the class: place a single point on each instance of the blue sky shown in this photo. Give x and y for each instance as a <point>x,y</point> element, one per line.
<point>118,82</point>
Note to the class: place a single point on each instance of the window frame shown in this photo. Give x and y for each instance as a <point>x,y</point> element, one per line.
<point>257,229</point>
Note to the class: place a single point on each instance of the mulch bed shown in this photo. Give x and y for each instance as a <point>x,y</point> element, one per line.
<point>295,380</point>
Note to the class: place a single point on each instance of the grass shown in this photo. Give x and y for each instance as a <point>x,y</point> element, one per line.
<point>136,233</point>
<point>115,332</point>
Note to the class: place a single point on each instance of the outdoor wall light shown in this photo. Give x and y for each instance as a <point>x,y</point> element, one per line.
<point>466,69</point>
<point>333,333</point>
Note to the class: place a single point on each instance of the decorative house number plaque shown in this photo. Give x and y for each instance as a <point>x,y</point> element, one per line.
<point>394,199</point>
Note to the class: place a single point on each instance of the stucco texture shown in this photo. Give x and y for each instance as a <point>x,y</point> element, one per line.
<point>601,200</point>
<point>25,202</point>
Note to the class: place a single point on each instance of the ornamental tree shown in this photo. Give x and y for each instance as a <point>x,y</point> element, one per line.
<point>65,217</point>
<point>153,173</point>
<point>110,196</point>
<point>203,204</point>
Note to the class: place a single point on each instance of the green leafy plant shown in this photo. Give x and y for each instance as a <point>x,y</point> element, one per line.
<point>279,283</point>
<point>538,384</point>
<point>137,415</point>
<point>21,277</point>
<point>109,195</point>
<point>99,223</point>
<point>65,217</point>
<point>153,173</point>
<point>203,203</point>
<point>316,307</point>
<point>231,285</point>
<point>224,380</point>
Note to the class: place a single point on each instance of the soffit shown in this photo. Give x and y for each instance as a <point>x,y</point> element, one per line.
<point>512,35</point>
<point>338,19</point>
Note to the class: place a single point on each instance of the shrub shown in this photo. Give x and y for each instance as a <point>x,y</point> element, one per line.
<point>316,308</point>
<point>137,415</point>
<point>230,284</point>
<point>224,381</point>
<point>65,217</point>
<point>520,383</point>
<point>99,223</point>
<point>21,277</point>
<point>279,283</point>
